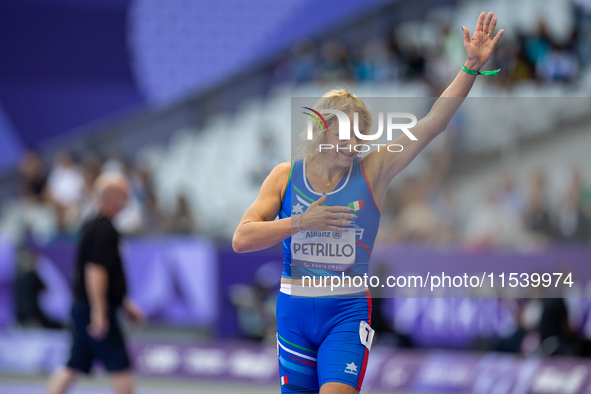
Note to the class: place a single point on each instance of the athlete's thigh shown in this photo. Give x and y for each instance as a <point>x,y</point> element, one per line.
<point>343,355</point>
<point>297,354</point>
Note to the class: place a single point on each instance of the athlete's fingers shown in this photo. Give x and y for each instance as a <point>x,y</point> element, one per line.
<point>486,23</point>
<point>340,222</point>
<point>348,216</point>
<point>498,36</point>
<point>339,209</point>
<point>466,34</point>
<point>491,29</point>
<point>321,200</point>
<point>479,22</point>
<point>337,229</point>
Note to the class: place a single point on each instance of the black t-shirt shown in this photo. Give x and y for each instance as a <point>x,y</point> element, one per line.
<point>100,245</point>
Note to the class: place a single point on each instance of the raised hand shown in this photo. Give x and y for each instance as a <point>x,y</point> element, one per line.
<point>323,218</point>
<point>480,47</point>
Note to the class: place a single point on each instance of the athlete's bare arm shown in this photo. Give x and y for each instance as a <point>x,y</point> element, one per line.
<point>381,167</point>
<point>258,229</point>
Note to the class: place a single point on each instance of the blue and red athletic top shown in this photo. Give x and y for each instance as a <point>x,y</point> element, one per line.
<point>353,190</point>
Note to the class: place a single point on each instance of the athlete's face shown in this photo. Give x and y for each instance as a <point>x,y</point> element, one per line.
<point>343,152</point>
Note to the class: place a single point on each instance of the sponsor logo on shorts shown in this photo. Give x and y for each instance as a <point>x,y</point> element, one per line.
<point>351,368</point>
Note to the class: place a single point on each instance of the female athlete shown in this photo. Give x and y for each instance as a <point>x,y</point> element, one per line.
<point>328,222</point>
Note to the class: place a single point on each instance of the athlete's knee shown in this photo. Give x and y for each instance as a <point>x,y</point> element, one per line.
<point>337,388</point>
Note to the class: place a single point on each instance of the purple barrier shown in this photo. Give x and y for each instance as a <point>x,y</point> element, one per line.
<point>240,268</point>
<point>455,322</point>
<point>390,370</point>
<point>404,260</point>
<point>7,272</point>
<point>174,280</point>
<point>187,280</point>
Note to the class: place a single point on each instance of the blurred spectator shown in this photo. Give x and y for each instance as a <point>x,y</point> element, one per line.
<point>181,221</point>
<point>559,65</point>
<point>584,192</point>
<point>448,216</point>
<point>377,64</point>
<point>335,66</point>
<point>65,182</point>
<point>66,187</point>
<point>492,224</point>
<point>28,288</point>
<point>538,45</point>
<point>255,303</point>
<point>416,222</point>
<point>553,328</point>
<point>506,59</point>
<point>582,12</point>
<point>91,169</point>
<point>570,222</point>
<point>537,218</point>
<point>523,70</point>
<point>523,338</point>
<point>267,157</point>
<point>32,176</point>
<point>143,188</point>
<point>303,63</point>
<point>442,62</point>
<point>30,215</point>
<point>510,197</point>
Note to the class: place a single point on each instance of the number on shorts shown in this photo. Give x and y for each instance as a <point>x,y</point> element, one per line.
<point>366,334</point>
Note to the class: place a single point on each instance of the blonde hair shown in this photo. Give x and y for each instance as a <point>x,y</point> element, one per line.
<point>339,99</point>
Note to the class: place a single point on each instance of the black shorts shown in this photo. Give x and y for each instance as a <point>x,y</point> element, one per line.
<point>110,350</point>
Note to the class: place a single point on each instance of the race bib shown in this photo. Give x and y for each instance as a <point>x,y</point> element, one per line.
<point>366,334</point>
<point>326,250</point>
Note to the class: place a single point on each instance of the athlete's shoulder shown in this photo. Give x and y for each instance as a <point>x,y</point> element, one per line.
<point>279,177</point>
<point>280,174</point>
<point>283,167</point>
<point>281,171</point>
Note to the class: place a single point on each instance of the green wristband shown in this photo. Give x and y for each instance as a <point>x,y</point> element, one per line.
<point>472,72</point>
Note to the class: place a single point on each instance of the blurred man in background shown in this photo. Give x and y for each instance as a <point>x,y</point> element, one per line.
<point>99,290</point>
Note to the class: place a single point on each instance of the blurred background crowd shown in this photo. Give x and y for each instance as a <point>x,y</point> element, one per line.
<point>48,195</point>
<point>192,100</point>
<point>54,202</point>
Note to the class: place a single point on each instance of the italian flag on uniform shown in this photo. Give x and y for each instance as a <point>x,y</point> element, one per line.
<point>356,205</point>
<point>284,380</point>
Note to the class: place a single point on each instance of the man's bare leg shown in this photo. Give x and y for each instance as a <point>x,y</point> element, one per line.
<point>123,382</point>
<point>61,380</point>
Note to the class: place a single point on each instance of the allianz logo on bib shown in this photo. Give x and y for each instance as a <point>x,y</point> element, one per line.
<point>313,234</point>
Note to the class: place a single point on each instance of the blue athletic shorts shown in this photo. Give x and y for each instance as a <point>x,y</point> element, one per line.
<point>111,350</point>
<point>322,339</point>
